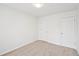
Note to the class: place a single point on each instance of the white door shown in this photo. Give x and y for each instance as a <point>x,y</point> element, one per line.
<point>68,31</point>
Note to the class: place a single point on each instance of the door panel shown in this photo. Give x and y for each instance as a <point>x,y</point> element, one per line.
<point>67,31</point>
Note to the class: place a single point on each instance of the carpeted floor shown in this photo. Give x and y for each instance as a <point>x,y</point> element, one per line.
<point>42,48</point>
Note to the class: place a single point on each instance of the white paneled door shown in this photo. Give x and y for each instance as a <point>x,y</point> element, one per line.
<point>68,31</point>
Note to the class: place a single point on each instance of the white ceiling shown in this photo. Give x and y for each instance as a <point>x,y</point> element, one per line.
<point>47,9</point>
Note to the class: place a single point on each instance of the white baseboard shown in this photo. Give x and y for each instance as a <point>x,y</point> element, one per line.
<point>15,48</point>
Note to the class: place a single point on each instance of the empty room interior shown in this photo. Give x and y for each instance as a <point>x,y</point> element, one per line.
<point>39,29</point>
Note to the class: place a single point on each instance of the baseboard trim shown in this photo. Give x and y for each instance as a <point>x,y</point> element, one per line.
<point>1,54</point>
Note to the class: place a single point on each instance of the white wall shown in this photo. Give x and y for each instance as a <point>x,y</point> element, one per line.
<point>77,19</point>
<point>16,28</point>
<point>50,29</point>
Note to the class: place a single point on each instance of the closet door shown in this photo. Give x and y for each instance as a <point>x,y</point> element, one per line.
<point>68,31</point>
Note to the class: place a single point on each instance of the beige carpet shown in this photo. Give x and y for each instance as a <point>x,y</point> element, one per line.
<point>42,48</point>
